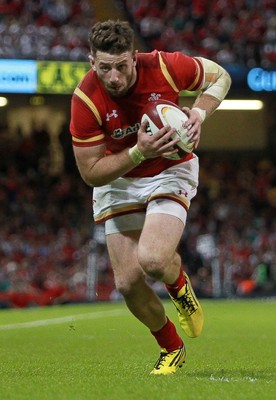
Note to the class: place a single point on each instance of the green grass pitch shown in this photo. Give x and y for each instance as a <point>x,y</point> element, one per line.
<point>101,352</point>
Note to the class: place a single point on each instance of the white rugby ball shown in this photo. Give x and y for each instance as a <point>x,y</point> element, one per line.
<point>159,113</point>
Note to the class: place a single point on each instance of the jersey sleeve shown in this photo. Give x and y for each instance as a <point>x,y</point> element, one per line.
<point>84,126</point>
<point>184,72</point>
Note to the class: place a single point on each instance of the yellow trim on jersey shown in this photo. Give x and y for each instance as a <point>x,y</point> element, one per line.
<point>89,140</point>
<point>90,104</point>
<point>195,82</point>
<point>166,74</point>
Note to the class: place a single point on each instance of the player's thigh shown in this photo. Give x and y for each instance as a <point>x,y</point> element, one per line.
<point>160,237</point>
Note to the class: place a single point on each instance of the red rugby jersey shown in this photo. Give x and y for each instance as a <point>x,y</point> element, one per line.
<point>98,118</point>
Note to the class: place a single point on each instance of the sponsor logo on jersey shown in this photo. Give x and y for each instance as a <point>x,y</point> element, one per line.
<point>121,133</point>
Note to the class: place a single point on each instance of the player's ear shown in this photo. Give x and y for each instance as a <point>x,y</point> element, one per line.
<point>134,58</point>
<point>92,61</point>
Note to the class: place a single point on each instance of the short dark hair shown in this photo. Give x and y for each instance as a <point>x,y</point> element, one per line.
<point>114,37</point>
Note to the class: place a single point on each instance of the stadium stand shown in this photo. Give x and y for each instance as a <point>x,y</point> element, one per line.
<point>227,31</point>
<point>45,29</point>
<point>51,30</point>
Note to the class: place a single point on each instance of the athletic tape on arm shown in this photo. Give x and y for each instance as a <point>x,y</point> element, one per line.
<point>217,80</point>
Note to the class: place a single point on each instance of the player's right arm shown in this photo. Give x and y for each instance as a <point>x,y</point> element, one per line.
<point>97,169</point>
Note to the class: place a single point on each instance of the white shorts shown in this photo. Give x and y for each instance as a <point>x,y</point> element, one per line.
<point>124,203</point>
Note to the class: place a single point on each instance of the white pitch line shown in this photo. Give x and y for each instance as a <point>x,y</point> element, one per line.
<point>61,320</point>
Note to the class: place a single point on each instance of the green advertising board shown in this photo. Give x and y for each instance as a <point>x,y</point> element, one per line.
<point>59,77</point>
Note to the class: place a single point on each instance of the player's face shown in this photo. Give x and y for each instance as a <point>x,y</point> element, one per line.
<point>117,72</point>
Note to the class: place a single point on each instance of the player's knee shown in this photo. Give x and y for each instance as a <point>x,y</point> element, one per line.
<point>126,286</point>
<point>154,265</point>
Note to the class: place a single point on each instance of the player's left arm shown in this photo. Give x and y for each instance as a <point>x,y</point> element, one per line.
<point>215,86</point>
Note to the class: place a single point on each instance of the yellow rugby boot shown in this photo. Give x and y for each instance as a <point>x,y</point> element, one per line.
<point>168,363</point>
<point>189,310</point>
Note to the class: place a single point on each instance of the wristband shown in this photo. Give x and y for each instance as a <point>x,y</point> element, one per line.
<point>201,112</point>
<point>135,155</point>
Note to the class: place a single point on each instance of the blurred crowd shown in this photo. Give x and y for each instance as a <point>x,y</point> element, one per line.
<point>45,226</point>
<point>45,29</point>
<point>47,235</point>
<point>230,243</point>
<point>227,31</point>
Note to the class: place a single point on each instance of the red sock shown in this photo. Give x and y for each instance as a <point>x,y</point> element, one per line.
<point>167,337</point>
<point>174,288</point>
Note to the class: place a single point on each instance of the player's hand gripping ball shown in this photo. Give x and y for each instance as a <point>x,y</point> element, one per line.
<point>163,112</point>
